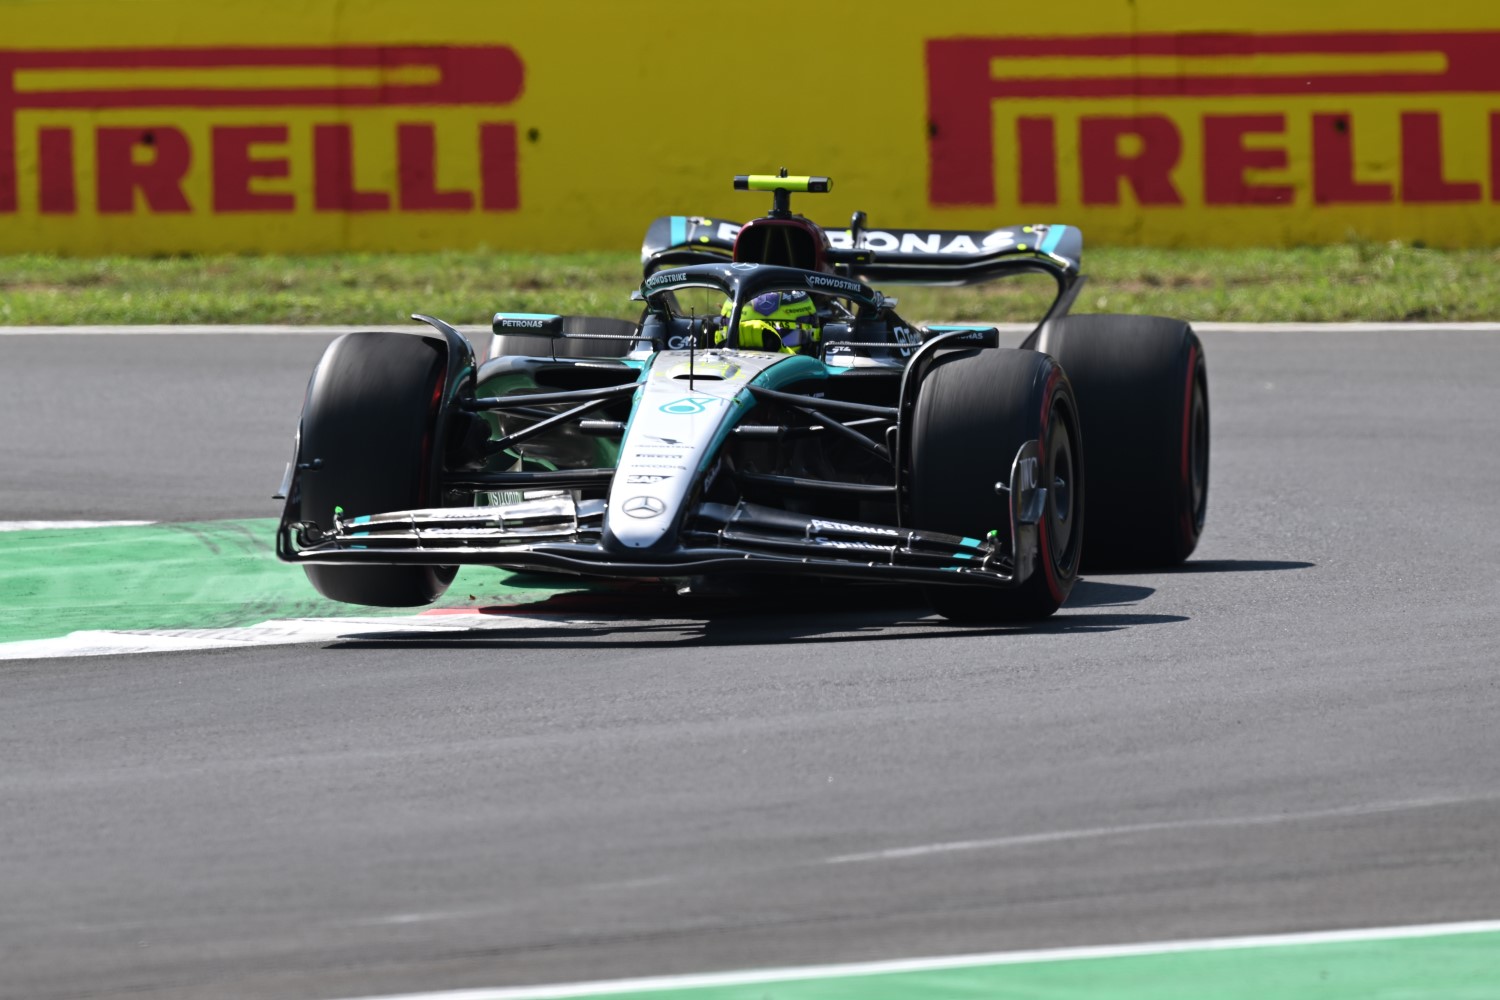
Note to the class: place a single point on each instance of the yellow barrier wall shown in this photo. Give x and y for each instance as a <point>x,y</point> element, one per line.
<point>310,125</point>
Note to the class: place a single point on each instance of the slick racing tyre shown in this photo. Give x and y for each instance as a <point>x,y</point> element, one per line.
<point>1142,387</point>
<point>975,409</point>
<point>504,345</point>
<point>370,423</point>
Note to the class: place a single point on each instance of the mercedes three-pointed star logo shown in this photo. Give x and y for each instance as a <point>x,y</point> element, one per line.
<point>643,507</point>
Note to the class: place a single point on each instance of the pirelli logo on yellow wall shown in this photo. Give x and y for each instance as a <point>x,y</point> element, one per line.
<point>1215,120</point>
<point>267,131</point>
<point>503,126</point>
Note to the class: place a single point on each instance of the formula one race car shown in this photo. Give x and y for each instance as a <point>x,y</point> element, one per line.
<point>804,429</point>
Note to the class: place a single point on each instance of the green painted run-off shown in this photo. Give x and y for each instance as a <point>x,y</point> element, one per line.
<point>210,574</point>
<point>1448,967</point>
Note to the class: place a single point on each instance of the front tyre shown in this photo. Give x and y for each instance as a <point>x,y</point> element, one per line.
<point>370,425</point>
<point>975,409</point>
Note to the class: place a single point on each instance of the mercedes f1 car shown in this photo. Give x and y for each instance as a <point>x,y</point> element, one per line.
<point>726,447</point>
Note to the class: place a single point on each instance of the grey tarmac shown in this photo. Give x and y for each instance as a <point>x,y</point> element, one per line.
<point>1295,731</point>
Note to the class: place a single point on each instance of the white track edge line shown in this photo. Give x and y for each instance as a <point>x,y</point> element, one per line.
<point>1215,327</point>
<point>275,632</point>
<point>68,525</point>
<point>754,976</point>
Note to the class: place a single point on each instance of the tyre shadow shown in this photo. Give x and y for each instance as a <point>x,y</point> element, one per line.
<point>1238,566</point>
<point>1213,566</point>
<point>1098,594</point>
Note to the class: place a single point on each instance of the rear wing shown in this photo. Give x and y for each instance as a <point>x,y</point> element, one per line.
<point>680,240</point>
<point>910,256</point>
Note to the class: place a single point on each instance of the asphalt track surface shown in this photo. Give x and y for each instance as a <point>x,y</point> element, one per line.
<point>1296,731</point>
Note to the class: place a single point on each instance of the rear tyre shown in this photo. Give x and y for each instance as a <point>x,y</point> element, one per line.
<point>1142,386</point>
<point>370,423</point>
<point>974,411</point>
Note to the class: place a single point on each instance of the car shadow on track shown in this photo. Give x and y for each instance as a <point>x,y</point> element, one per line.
<point>757,630</point>
<point>644,616</point>
<point>642,619</point>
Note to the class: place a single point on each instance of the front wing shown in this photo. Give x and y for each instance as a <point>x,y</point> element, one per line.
<point>560,534</point>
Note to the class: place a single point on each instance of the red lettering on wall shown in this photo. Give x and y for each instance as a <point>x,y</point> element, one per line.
<point>966,75</point>
<point>1226,158</point>
<point>961,138</point>
<point>1149,172</point>
<point>1495,156</point>
<point>57,193</point>
<point>333,174</point>
<point>499,183</point>
<point>234,166</point>
<point>1333,164</point>
<point>416,166</point>
<point>1422,162</point>
<point>158,178</point>
<point>480,76</point>
<point>1036,155</point>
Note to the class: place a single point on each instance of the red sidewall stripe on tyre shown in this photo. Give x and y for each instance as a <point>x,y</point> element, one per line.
<point>1044,534</point>
<point>1189,514</point>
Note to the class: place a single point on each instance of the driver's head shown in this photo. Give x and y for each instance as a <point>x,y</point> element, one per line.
<point>778,321</point>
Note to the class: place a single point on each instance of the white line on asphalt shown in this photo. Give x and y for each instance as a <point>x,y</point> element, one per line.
<point>50,525</point>
<point>1021,840</point>
<point>271,633</point>
<point>1209,327</point>
<point>753,976</point>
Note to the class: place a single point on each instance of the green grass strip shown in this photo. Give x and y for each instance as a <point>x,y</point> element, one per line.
<point>210,574</point>
<point>1354,281</point>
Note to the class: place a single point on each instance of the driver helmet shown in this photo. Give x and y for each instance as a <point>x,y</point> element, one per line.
<point>776,321</point>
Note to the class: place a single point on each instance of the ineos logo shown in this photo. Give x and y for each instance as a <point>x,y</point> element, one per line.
<point>643,507</point>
